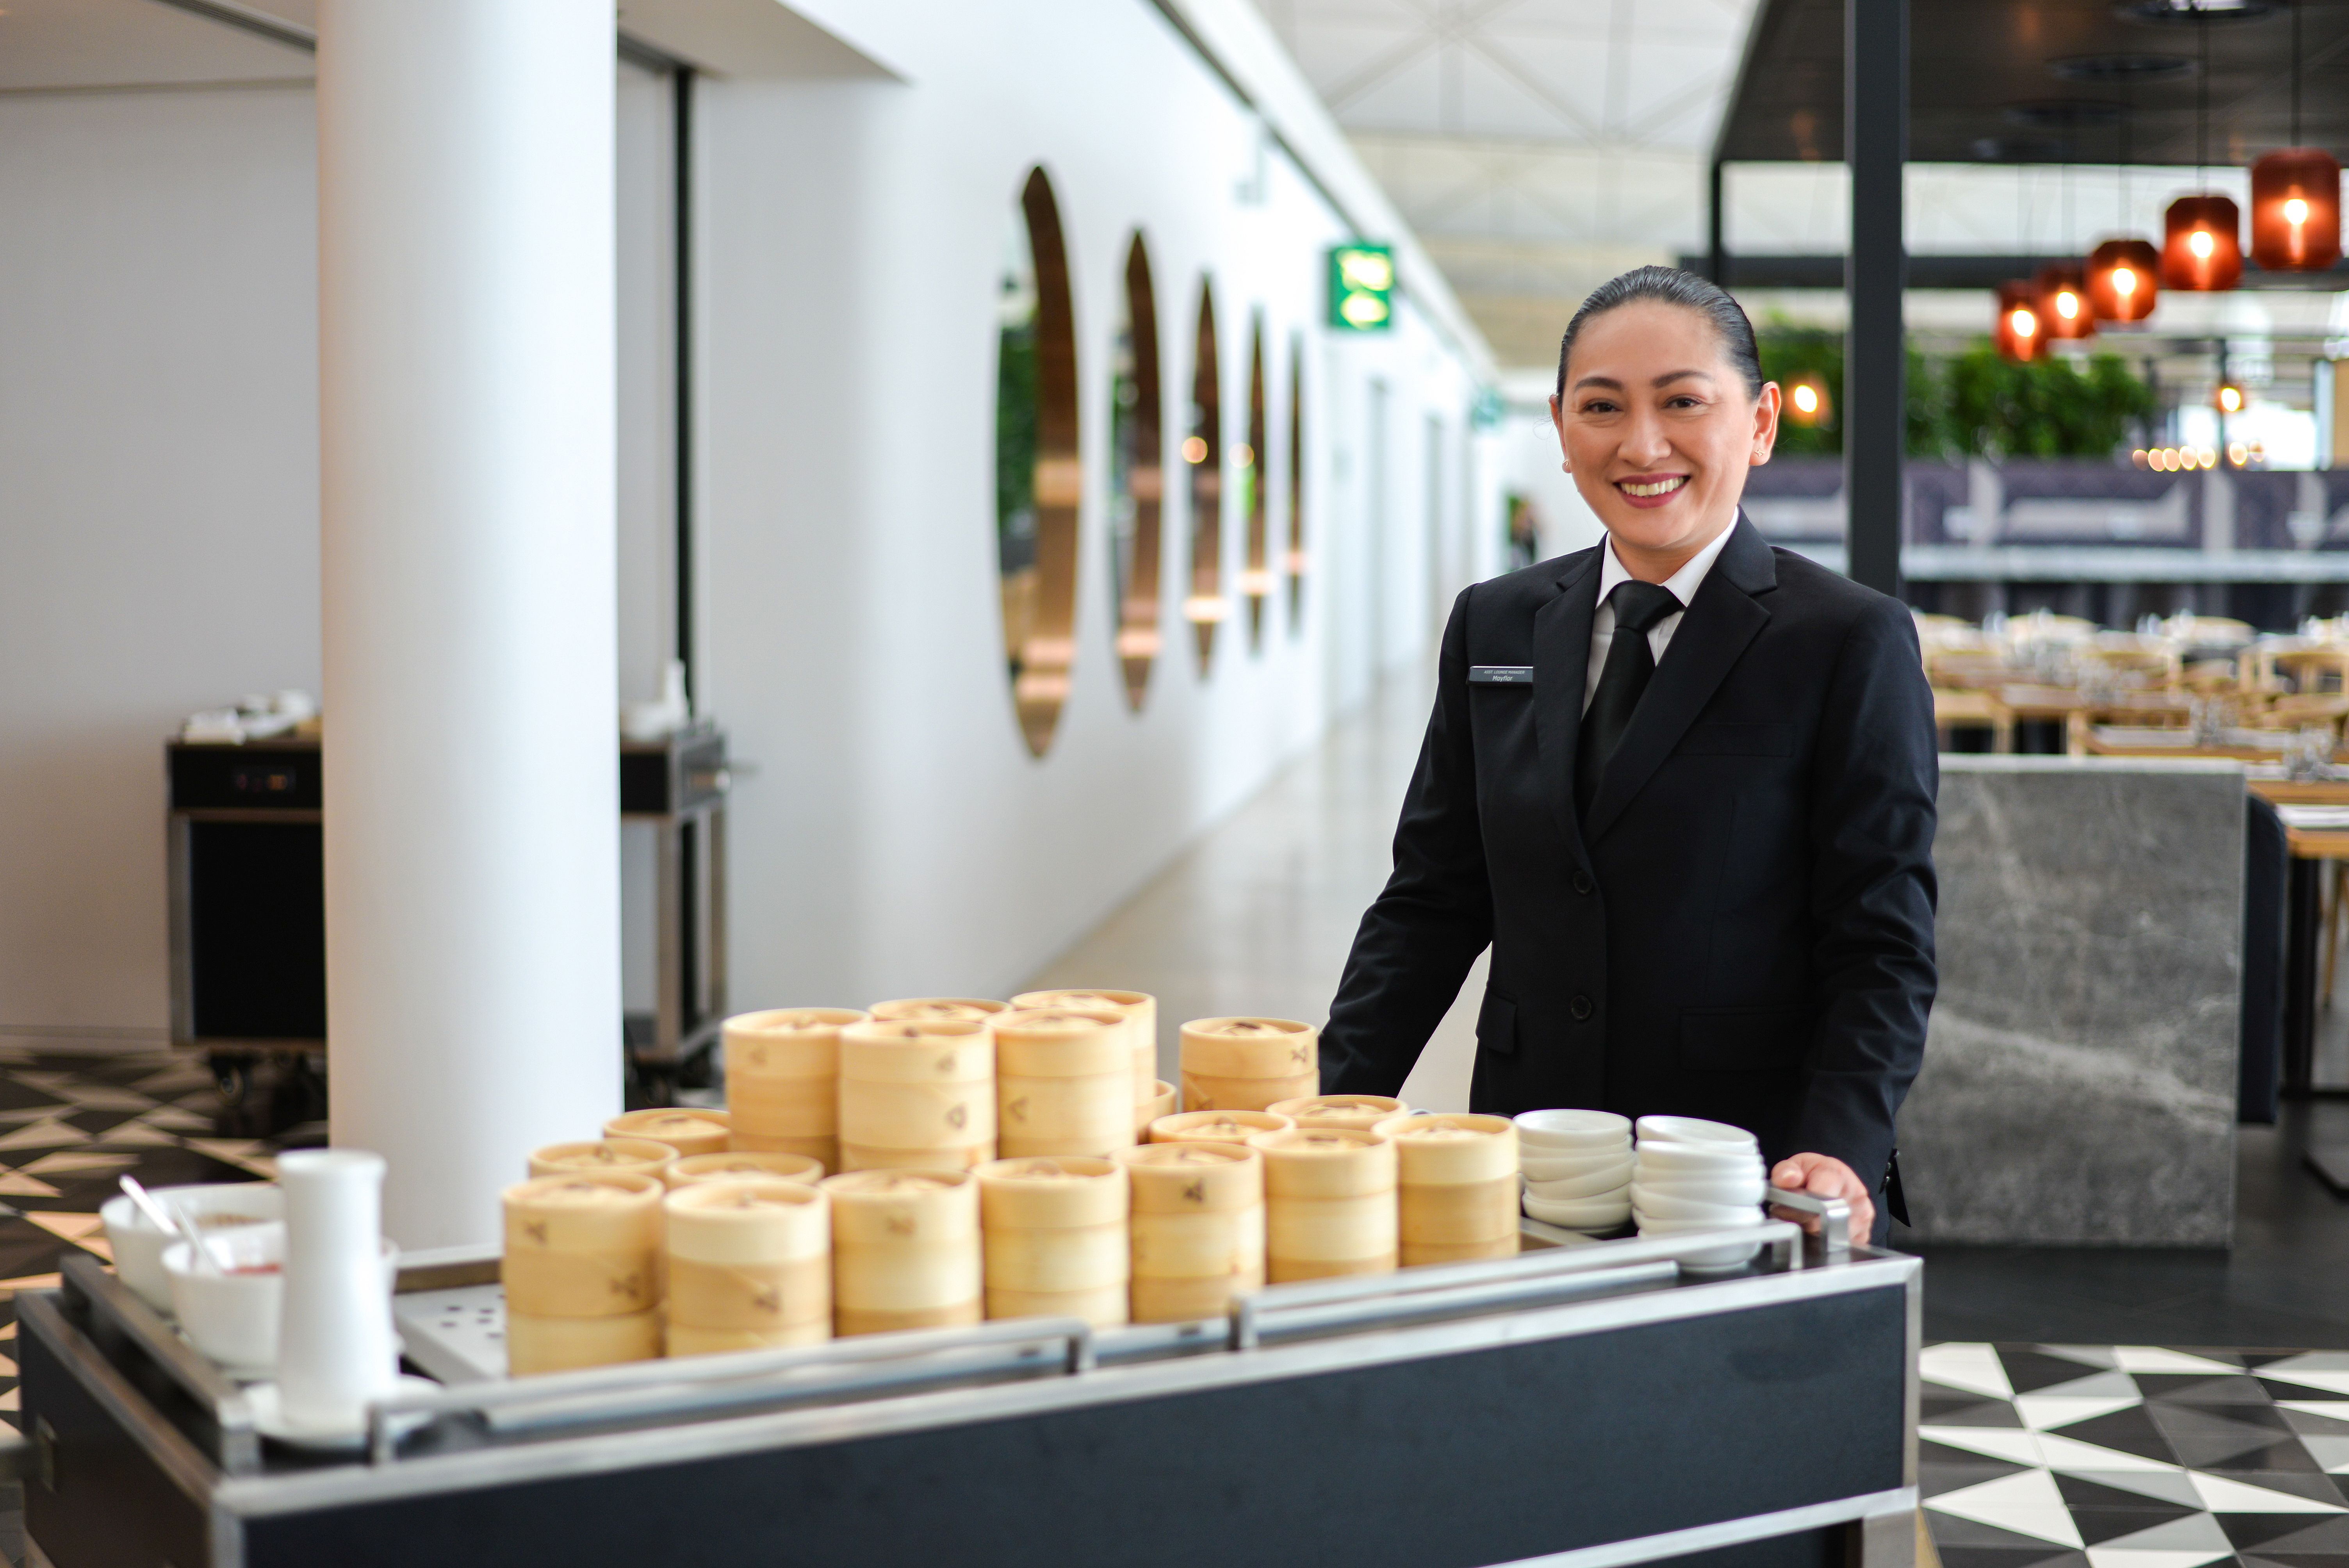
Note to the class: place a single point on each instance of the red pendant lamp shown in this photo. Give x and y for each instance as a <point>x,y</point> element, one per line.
<point>2202,246</point>
<point>2064,309</point>
<point>2296,197</point>
<point>2122,275</point>
<point>2017,333</point>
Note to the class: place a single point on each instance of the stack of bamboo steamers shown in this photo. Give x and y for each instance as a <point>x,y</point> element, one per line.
<point>932,1162</point>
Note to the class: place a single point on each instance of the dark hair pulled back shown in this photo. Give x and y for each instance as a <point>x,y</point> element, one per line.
<point>1670,285</point>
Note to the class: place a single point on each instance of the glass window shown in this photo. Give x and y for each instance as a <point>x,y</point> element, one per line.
<point>1203,449</point>
<point>1037,479</point>
<point>1138,475</point>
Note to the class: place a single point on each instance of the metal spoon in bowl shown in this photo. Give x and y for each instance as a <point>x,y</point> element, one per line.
<point>170,1223</point>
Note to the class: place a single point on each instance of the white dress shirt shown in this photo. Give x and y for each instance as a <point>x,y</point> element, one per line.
<point>1681,585</point>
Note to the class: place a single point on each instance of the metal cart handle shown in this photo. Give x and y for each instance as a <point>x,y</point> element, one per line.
<point>1835,1218</point>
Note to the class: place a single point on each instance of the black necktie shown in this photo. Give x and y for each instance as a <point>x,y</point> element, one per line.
<point>1638,607</point>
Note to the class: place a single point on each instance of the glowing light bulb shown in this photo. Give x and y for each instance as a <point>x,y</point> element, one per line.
<point>1807,398</point>
<point>2295,211</point>
<point>2124,280</point>
<point>2201,243</point>
<point>2024,322</point>
<point>2067,305</point>
<point>1194,449</point>
<point>2229,399</point>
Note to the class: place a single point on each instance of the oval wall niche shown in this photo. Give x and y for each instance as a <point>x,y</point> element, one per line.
<point>1138,483</point>
<point>1296,562</point>
<point>1202,451</point>
<point>1252,464</point>
<point>1037,479</point>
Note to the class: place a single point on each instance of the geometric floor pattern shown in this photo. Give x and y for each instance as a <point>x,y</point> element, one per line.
<point>2101,1456</point>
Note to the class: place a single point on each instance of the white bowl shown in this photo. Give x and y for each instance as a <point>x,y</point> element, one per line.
<point>1658,1205</point>
<point>1710,1159</point>
<point>1551,1168</point>
<point>1581,1214</point>
<point>1696,1130</point>
<point>1564,1129</point>
<point>232,1317</point>
<point>1742,1191</point>
<point>139,1245</point>
<point>1582,1187</point>
<point>1663,1227</point>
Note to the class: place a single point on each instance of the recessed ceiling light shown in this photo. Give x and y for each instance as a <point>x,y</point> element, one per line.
<point>2194,10</point>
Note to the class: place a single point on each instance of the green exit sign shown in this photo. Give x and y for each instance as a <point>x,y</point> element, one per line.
<point>1362,287</point>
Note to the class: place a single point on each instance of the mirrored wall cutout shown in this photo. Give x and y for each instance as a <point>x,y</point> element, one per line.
<point>1295,563</point>
<point>1202,451</point>
<point>1137,484</point>
<point>1038,480</point>
<point>1250,466</point>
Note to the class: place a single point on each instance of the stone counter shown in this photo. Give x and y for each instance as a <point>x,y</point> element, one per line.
<point>2080,1070</point>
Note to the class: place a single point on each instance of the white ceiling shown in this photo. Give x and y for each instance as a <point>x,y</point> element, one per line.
<point>47,45</point>
<point>1538,146</point>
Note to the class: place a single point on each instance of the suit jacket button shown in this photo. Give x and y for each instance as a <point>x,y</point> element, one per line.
<point>1582,882</point>
<point>1580,1007</point>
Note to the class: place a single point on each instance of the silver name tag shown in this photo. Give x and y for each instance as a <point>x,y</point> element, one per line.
<point>1500,674</point>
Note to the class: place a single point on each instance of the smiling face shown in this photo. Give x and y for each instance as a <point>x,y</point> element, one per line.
<point>1658,430</point>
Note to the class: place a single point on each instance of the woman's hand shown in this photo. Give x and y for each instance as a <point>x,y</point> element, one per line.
<point>1824,1176</point>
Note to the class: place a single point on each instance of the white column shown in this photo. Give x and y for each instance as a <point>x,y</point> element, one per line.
<point>466,347</point>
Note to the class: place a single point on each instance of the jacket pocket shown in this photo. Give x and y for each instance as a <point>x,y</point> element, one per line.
<point>1496,1024</point>
<point>1744,1039</point>
<point>1737,740</point>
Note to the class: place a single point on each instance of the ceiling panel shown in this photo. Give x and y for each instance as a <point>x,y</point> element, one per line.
<point>50,44</point>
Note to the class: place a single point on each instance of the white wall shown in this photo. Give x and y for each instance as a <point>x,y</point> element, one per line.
<point>1530,465</point>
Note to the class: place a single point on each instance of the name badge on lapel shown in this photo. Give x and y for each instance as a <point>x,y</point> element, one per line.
<point>1501,674</point>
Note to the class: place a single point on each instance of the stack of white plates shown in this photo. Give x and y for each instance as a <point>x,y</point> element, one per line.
<point>1693,1175</point>
<point>1578,1168</point>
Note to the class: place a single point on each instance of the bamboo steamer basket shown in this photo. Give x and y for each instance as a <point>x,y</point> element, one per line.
<point>1330,1202</point>
<point>640,1156</point>
<point>937,1009</point>
<point>1062,1083</point>
<point>688,1129</point>
<point>1364,1111</point>
<point>752,1255</point>
<point>1104,1308</point>
<point>1164,1101</point>
<point>1457,1183</point>
<point>1139,1011</point>
<point>1196,1231</point>
<point>585,1245</point>
<point>1247,1064</point>
<point>741,1165</point>
<point>1055,1232</point>
<point>782,1069</point>
<point>685,1339</point>
<point>905,1250</point>
<point>824,1151</point>
<point>917,1094</point>
<point>541,1345</point>
<point>1215,1126</point>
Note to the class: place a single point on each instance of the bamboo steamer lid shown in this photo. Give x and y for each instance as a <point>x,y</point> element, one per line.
<point>1104,1307</point>
<point>742,1164</point>
<point>1141,1011</point>
<point>583,1245</point>
<point>1164,1101</point>
<point>868,1157</point>
<point>1215,1126</point>
<point>1319,1229</point>
<point>916,1050</point>
<point>1457,1211</point>
<point>1061,1042</point>
<point>761,1296</point>
<point>1422,1253</point>
<point>1250,1047</point>
<point>1074,1116</point>
<point>824,1151</point>
<point>848,1321</point>
<point>882,1208</point>
<point>935,1009</point>
<point>539,1345</point>
<point>917,1115</point>
<point>1286,1271</point>
<point>688,1129</point>
<point>1185,1300</point>
<point>640,1155</point>
<point>1073,1257</point>
<point>1359,1110</point>
<point>1436,1151</point>
<point>1204,1092</point>
<point>785,1107</point>
<point>1222,1243</point>
<point>689,1339</point>
<point>1189,1177</point>
<point>1325,1162</point>
<point>1052,1193</point>
<point>747,1222</point>
<point>786,1043</point>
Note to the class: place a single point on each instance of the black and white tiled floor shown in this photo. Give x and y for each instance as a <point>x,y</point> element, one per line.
<point>2093,1456</point>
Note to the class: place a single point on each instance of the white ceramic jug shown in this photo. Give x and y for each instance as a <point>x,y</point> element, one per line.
<point>337,1350</point>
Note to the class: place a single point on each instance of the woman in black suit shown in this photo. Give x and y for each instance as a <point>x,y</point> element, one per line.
<point>1682,784</point>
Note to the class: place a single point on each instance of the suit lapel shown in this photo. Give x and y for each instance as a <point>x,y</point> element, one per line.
<point>1713,634</point>
<point>1561,669</point>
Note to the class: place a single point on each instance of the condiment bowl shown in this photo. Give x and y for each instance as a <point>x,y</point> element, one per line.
<point>1705,1157</point>
<point>1544,1168</point>
<point>1581,1214</point>
<point>233,1316</point>
<point>1588,1185</point>
<point>218,1208</point>
<point>1742,1191</point>
<point>1563,1131</point>
<point>1695,1130</point>
<point>1658,1205</point>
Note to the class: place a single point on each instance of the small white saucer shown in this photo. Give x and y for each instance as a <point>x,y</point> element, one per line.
<point>270,1421</point>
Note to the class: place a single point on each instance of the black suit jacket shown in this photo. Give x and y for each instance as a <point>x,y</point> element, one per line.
<point>1743,927</point>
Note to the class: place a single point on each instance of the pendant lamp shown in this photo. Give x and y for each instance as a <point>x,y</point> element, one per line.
<point>2064,309</point>
<point>2202,246</point>
<point>2017,333</point>
<point>2122,274</point>
<point>2296,197</point>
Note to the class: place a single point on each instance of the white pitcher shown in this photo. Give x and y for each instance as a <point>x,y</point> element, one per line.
<point>337,1350</point>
